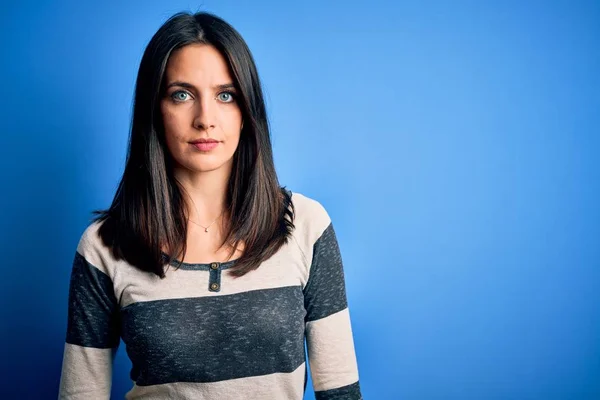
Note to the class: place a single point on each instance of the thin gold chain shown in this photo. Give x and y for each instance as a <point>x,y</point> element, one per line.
<point>206,227</point>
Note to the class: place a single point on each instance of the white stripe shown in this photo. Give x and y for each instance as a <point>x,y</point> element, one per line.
<point>86,373</point>
<point>331,354</point>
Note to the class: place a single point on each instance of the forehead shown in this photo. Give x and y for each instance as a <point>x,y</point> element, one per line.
<point>198,64</point>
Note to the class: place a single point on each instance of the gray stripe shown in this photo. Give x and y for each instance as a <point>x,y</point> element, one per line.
<point>210,339</point>
<point>350,392</point>
<point>325,291</point>
<point>93,308</point>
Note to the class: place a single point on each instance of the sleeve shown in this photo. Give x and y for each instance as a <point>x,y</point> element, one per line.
<point>330,344</point>
<point>92,335</point>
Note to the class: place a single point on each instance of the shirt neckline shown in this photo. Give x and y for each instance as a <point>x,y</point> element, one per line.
<point>199,266</point>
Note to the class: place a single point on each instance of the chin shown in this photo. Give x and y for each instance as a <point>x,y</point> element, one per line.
<point>207,166</point>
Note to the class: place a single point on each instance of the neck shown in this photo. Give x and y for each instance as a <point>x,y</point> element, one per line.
<point>205,193</point>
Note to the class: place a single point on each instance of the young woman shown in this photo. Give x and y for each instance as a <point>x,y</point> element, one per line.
<point>211,273</point>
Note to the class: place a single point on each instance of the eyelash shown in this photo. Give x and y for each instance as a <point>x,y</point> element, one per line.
<point>232,94</point>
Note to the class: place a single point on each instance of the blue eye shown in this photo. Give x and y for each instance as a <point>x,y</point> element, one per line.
<point>226,97</point>
<point>180,96</point>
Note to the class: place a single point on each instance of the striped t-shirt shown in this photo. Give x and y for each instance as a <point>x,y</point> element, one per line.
<point>201,334</point>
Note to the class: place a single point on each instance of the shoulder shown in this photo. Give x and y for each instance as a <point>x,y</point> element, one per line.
<point>93,250</point>
<point>309,213</point>
<point>311,221</point>
<point>90,238</point>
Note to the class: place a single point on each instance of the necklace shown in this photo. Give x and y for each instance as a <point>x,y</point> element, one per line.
<point>206,227</point>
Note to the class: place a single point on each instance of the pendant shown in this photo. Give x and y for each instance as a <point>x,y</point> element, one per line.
<point>206,230</point>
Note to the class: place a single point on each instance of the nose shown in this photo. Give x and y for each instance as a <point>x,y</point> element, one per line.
<point>205,114</point>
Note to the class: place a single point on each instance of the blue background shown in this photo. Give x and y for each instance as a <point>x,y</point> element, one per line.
<point>455,145</point>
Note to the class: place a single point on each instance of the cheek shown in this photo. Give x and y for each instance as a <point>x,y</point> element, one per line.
<point>231,123</point>
<point>169,119</point>
<point>173,134</point>
<point>173,125</point>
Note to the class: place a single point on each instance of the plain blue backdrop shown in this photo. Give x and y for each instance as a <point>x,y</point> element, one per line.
<point>454,143</point>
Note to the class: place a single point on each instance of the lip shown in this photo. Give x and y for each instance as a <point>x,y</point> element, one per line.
<point>205,144</point>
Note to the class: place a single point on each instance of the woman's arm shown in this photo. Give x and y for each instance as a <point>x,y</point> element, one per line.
<point>92,328</point>
<point>331,354</point>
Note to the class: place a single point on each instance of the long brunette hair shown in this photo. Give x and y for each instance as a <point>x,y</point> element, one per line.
<point>148,212</point>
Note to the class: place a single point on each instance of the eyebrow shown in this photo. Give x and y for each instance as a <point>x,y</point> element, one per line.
<point>190,86</point>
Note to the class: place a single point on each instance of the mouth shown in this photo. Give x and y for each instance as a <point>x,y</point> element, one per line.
<point>205,144</point>
<point>204,140</point>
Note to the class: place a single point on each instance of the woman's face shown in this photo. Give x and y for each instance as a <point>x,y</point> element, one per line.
<point>201,116</point>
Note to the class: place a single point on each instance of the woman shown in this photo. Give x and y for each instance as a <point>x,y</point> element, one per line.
<point>211,273</point>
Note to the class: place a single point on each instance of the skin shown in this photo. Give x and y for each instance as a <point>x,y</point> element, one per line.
<point>196,105</point>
